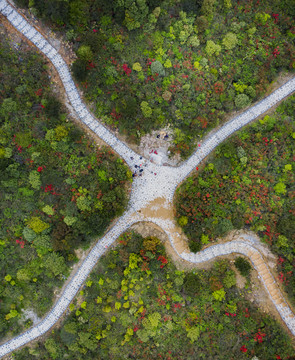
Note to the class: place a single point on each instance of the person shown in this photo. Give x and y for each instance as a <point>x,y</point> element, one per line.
<point>166,136</point>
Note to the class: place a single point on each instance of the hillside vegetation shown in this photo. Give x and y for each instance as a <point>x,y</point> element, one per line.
<point>146,64</point>
<point>58,191</point>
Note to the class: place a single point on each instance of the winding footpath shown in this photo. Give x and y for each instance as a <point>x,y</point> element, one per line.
<point>152,193</point>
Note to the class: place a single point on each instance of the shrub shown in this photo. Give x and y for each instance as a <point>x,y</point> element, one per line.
<point>37,225</point>
<point>166,95</point>
<point>168,63</point>
<point>157,68</point>
<point>280,188</point>
<point>207,8</point>
<point>243,266</point>
<point>251,92</point>
<point>85,53</point>
<point>146,109</point>
<point>182,221</point>
<point>151,243</point>
<point>242,100</point>
<point>194,41</point>
<point>219,295</point>
<point>224,226</point>
<point>229,279</point>
<point>34,179</point>
<point>29,234</point>
<point>212,48</point>
<point>191,284</point>
<point>79,70</point>
<point>230,41</point>
<point>136,66</point>
<point>23,139</point>
<point>195,246</point>
<point>201,23</point>
<point>61,132</point>
<point>128,106</point>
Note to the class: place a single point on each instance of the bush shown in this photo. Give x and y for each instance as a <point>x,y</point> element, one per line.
<point>194,41</point>
<point>243,266</point>
<point>85,53</point>
<point>242,100</point>
<point>195,246</point>
<point>151,243</point>
<point>224,226</point>
<point>182,221</point>
<point>212,48</point>
<point>157,68</point>
<point>128,107</point>
<point>146,109</point>
<point>230,41</point>
<point>191,284</point>
<point>202,24</point>
<point>79,70</point>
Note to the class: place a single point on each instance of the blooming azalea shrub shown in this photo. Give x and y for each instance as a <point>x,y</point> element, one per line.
<point>195,51</point>
<point>58,190</point>
<point>250,183</point>
<point>137,308</point>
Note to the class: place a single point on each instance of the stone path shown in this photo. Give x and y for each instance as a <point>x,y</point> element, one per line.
<point>152,192</point>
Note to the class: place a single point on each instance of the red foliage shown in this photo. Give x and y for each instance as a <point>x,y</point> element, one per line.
<point>243,349</point>
<point>126,69</point>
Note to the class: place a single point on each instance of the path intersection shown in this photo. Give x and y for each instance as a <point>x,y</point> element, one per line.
<point>152,193</point>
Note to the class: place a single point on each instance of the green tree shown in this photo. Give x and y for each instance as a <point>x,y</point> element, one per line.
<point>146,109</point>
<point>61,132</point>
<point>207,8</point>
<point>157,68</point>
<point>8,107</point>
<point>85,53</point>
<point>191,284</point>
<point>52,347</point>
<point>37,225</point>
<point>201,23</point>
<point>193,333</point>
<point>55,263</point>
<point>229,279</point>
<point>212,48</point>
<point>243,266</point>
<point>136,12</point>
<point>219,295</point>
<point>280,188</point>
<point>79,70</point>
<point>230,41</point>
<point>34,179</point>
<point>242,100</point>
<point>182,221</point>
<point>87,341</point>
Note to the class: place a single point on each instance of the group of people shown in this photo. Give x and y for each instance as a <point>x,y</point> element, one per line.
<point>165,137</point>
<point>139,168</point>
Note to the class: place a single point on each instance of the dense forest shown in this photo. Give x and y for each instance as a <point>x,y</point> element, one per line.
<point>58,190</point>
<point>146,64</point>
<point>137,305</point>
<point>248,184</point>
